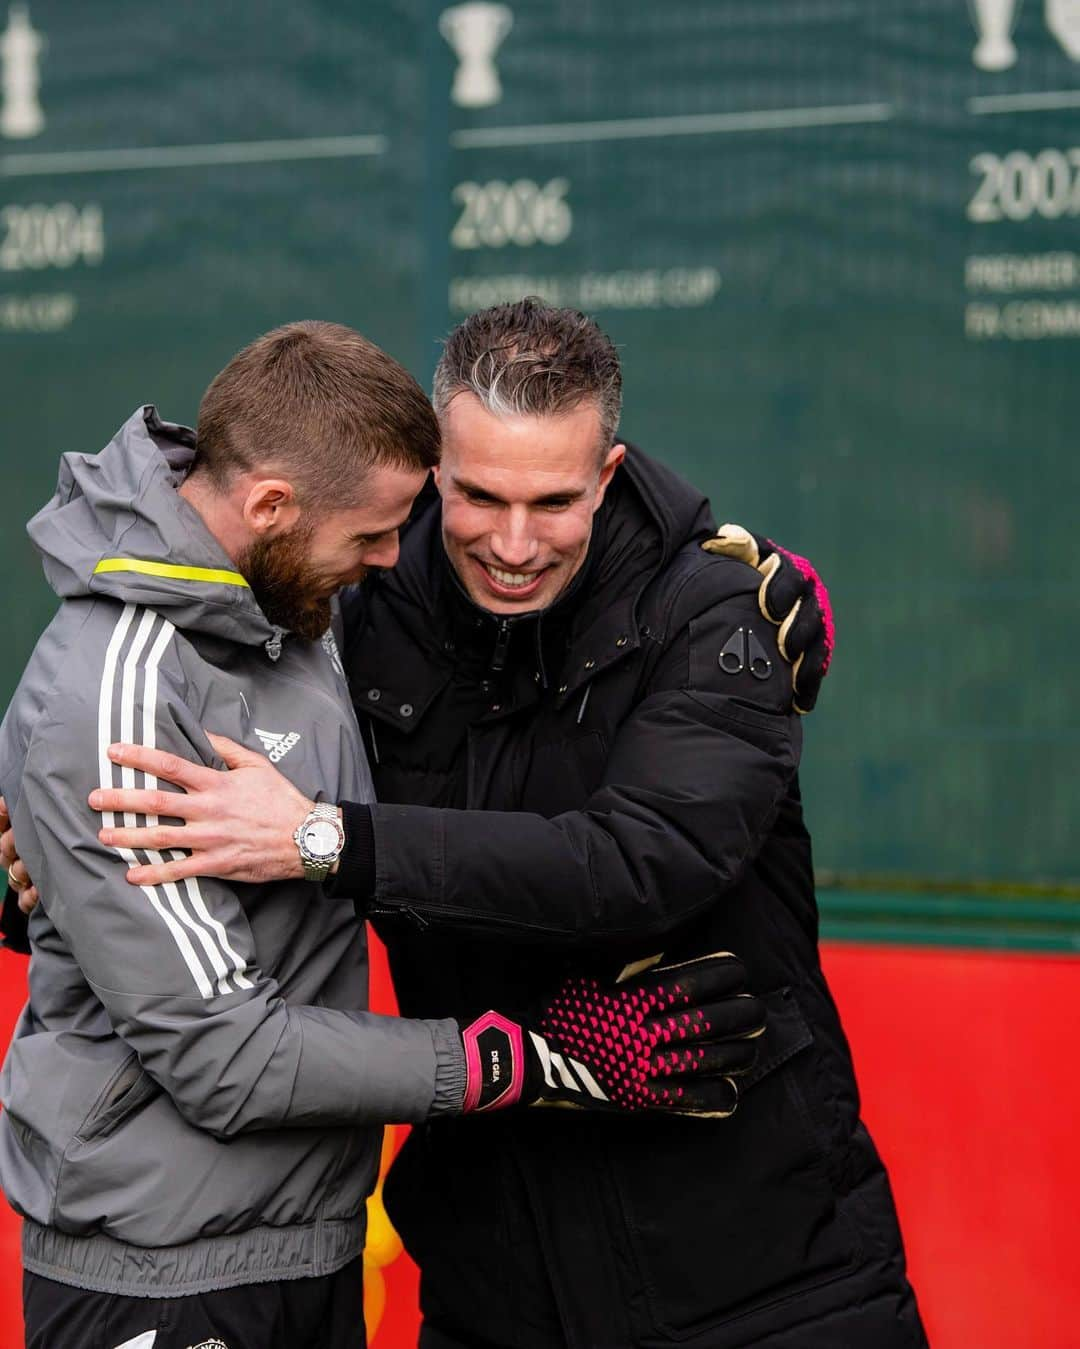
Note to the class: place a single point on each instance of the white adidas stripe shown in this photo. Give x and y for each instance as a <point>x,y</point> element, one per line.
<point>212,937</point>
<point>554,1064</point>
<point>591,1085</point>
<point>544,1055</point>
<point>105,739</point>
<point>191,885</point>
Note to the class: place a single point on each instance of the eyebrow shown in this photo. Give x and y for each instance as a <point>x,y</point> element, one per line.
<point>548,499</point>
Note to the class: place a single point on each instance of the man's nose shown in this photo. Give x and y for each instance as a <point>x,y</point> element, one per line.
<point>384,553</point>
<point>513,542</point>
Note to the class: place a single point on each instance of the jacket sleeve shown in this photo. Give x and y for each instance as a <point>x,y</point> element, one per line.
<point>175,966</point>
<point>692,783</point>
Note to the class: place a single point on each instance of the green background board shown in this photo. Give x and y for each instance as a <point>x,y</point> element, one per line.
<point>841,259</point>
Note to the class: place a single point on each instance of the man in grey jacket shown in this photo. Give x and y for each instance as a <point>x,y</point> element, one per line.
<point>190,1094</point>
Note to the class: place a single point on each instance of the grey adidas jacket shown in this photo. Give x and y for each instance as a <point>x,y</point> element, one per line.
<point>189,1098</point>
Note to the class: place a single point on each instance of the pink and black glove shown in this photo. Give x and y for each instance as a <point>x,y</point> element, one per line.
<point>671,1039</point>
<point>792,595</point>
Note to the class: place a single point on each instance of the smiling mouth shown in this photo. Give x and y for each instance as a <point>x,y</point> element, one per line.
<point>511,580</point>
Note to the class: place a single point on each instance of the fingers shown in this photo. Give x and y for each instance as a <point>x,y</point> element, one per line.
<point>703,979</point>
<point>708,1098</point>
<point>718,1006</point>
<point>234,755</point>
<point>800,628</point>
<point>139,801</point>
<point>809,672</point>
<point>5,818</point>
<point>712,1060</point>
<point>180,868</point>
<point>161,764</point>
<point>156,838</point>
<point>734,541</point>
<point>18,876</point>
<point>792,595</point>
<point>782,589</point>
<point>742,1017</point>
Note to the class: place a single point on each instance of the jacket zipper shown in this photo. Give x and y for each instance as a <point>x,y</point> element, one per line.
<point>502,645</point>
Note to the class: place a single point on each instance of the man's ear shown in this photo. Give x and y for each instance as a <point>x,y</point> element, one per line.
<point>436,474</point>
<point>612,460</point>
<point>270,507</point>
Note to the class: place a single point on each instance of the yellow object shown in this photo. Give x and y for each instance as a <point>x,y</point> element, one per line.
<point>734,541</point>
<point>177,573</point>
<point>374,1298</point>
<point>383,1245</point>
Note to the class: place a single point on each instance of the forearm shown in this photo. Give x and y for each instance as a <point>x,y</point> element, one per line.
<point>406,1071</point>
<point>407,871</point>
<point>693,780</point>
<point>179,981</point>
<point>579,879</point>
<point>668,835</point>
<point>298,1067</point>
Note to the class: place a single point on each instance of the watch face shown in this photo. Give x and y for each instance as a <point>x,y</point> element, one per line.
<point>321,839</point>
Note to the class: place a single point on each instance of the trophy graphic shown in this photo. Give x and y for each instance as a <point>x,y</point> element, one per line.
<point>20,48</point>
<point>1063,20</point>
<point>994,21</point>
<point>475,30</point>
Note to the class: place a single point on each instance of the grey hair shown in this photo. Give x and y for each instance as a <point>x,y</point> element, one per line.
<point>531,359</point>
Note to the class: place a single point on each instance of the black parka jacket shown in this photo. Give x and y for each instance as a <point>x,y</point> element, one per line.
<point>580,790</point>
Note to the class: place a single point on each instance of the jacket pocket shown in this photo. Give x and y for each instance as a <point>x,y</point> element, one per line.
<point>121,1176</point>
<point>726,1219</point>
<point>129,1089</point>
<point>53,1083</point>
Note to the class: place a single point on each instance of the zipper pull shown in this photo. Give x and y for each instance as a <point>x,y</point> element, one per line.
<point>384,910</point>
<point>502,643</point>
<point>273,644</point>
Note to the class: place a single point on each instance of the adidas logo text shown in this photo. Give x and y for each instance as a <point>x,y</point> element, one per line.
<point>277,743</point>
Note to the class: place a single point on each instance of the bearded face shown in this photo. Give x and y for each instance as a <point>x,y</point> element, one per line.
<point>292,592</point>
<point>294,575</point>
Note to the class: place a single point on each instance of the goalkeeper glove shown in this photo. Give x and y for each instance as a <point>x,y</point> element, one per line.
<point>671,1039</point>
<point>792,595</point>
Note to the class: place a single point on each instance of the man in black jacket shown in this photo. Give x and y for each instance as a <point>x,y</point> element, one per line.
<point>585,747</point>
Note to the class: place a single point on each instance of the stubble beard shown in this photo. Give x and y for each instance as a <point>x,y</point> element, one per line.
<point>286,588</point>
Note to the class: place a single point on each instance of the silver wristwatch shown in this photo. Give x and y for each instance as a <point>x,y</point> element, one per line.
<point>319,841</point>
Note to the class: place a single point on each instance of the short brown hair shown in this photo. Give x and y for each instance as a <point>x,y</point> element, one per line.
<point>530,358</point>
<point>321,405</point>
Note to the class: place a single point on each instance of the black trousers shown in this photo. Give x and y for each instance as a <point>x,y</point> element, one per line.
<point>323,1313</point>
<point>433,1338</point>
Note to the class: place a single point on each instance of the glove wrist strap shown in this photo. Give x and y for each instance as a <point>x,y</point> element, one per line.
<point>494,1062</point>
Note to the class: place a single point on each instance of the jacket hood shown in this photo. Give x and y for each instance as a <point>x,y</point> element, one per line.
<point>116,526</point>
<point>649,513</point>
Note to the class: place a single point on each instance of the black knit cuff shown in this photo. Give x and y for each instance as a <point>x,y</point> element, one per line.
<point>355,876</point>
<point>14,924</point>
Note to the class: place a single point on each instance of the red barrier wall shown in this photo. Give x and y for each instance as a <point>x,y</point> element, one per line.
<point>966,1066</point>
